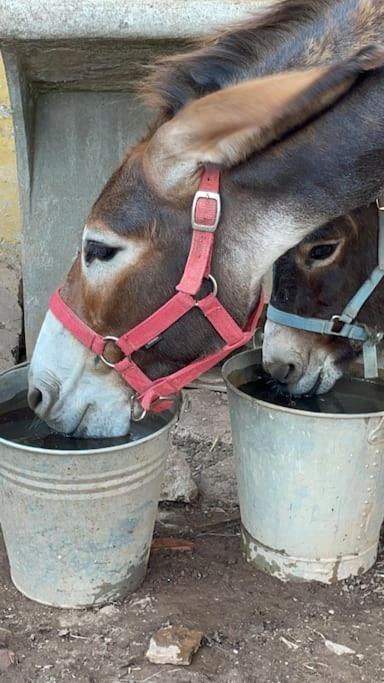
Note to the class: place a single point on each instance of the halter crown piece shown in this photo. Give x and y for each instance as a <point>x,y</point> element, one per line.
<point>155,394</point>
<point>344,325</point>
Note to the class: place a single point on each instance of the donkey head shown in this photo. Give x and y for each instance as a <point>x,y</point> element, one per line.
<point>137,236</point>
<point>317,279</point>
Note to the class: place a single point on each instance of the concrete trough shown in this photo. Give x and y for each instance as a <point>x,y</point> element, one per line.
<point>72,69</point>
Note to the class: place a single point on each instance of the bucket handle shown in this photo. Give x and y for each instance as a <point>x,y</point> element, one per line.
<point>376,436</point>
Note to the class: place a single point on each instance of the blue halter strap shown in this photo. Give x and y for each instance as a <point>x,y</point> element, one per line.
<point>343,325</point>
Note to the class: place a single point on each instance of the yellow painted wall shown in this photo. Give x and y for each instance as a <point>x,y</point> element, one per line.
<point>9,196</point>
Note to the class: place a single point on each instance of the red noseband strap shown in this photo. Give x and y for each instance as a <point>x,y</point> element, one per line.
<point>151,393</point>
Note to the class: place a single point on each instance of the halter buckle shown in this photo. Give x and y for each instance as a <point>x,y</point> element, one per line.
<point>336,324</point>
<point>202,195</point>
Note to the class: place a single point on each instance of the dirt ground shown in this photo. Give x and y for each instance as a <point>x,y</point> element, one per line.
<point>256,629</point>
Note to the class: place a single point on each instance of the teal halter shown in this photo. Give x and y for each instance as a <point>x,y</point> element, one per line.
<point>343,325</point>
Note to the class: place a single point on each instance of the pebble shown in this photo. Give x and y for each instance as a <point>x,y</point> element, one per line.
<point>337,648</point>
<point>109,611</point>
<point>174,645</point>
<point>7,659</point>
<point>5,636</point>
<point>177,485</point>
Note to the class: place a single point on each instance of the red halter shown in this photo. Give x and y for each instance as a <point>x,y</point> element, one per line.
<point>151,393</point>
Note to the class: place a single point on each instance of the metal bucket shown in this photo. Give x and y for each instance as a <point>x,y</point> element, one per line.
<point>311,485</point>
<point>78,525</point>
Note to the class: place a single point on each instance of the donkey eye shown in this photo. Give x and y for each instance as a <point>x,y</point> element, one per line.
<point>322,251</point>
<point>100,251</point>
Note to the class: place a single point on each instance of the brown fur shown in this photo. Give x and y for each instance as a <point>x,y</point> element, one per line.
<point>314,290</point>
<point>264,44</point>
<point>225,127</point>
<point>142,198</point>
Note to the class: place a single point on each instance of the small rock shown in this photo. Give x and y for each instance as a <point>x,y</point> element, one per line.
<point>7,659</point>
<point>109,611</point>
<point>141,604</point>
<point>174,645</point>
<point>5,636</point>
<point>338,649</point>
<point>63,632</point>
<point>178,485</point>
<point>218,483</point>
<point>289,643</point>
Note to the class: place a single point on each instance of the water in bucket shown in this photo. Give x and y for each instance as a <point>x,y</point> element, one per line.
<point>18,423</point>
<point>350,395</point>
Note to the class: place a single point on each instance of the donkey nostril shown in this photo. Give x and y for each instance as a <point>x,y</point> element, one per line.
<point>35,397</point>
<point>291,370</point>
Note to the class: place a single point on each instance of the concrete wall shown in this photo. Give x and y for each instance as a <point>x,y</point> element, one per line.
<point>9,196</point>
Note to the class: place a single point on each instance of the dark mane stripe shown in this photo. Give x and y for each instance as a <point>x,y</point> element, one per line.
<point>262,44</point>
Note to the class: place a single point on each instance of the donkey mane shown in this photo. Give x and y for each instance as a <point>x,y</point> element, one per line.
<point>262,44</point>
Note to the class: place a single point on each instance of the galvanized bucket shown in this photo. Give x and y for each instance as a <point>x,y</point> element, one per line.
<point>311,485</point>
<point>78,525</point>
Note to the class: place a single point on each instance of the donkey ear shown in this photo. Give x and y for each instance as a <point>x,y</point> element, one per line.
<point>227,126</point>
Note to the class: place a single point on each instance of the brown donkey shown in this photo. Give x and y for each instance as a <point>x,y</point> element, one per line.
<point>289,107</point>
<point>317,279</point>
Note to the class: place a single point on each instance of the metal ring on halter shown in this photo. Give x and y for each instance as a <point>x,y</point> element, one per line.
<point>379,205</point>
<point>137,417</point>
<point>102,357</point>
<point>135,404</point>
<point>374,336</point>
<point>214,284</point>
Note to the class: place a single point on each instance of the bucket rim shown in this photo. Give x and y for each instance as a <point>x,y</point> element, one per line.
<point>179,399</point>
<point>227,369</point>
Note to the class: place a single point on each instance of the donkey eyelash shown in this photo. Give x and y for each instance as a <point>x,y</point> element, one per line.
<point>99,251</point>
